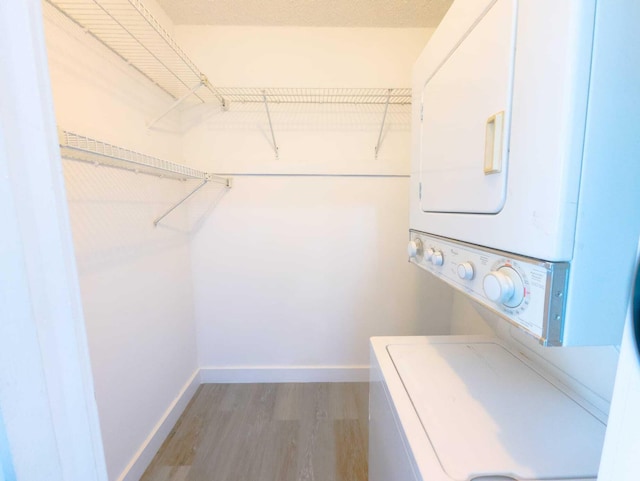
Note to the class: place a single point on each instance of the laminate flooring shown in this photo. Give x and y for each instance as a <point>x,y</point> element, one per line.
<point>268,432</point>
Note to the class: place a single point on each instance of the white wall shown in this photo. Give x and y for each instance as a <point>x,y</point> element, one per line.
<point>303,278</point>
<point>135,279</point>
<point>297,272</point>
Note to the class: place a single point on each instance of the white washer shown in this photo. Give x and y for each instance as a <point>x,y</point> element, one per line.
<point>470,408</point>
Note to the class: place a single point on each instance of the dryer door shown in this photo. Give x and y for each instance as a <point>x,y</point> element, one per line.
<point>465,119</point>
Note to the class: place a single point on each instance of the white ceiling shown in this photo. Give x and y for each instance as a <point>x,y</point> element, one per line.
<point>309,13</point>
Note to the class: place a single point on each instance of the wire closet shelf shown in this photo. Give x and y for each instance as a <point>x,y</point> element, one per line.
<point>361,96</point>
<point>85,149</point>
<point>128,29</point>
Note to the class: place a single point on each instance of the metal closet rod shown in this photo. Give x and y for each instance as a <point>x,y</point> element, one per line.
<point>265,174</point>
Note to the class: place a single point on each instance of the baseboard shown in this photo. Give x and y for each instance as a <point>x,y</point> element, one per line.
<point>151,445</point>
<point>244,374</point>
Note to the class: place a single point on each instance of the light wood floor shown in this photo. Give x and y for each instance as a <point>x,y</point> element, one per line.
<point>268,432</point>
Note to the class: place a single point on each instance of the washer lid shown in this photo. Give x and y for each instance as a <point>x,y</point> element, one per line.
<point>487,413</point>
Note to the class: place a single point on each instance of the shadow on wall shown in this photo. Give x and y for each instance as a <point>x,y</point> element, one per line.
<point>303,270</point>
<point>299,117</point>
<point>200,211</point>
<point>72,55</point>
<point>311,138</point>
<point>113,210</point>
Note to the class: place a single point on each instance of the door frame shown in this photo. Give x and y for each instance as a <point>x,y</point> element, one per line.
<point>51,428</point>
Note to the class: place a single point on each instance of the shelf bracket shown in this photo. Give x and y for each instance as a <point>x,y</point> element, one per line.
<point>223,102</point>
<point>175,104</point>
<point>184,199</point>
<point>209,178</point>
<point>384,118</point>
<point>273,137</point>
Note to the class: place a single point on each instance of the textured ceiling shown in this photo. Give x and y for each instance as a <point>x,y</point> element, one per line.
<point>308,13</point>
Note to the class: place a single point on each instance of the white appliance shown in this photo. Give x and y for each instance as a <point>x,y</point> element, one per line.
<point>461,408</point>
<point>515,199</point>
<point>524,196</point>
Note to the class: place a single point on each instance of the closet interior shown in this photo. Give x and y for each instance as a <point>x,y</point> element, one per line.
<point>238,197</point>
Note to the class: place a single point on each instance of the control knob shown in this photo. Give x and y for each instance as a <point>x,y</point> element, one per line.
<point>504,286</point>
<point>428,254</point>
<point>414,249</point>
<point>466,271</point>
<point>437,259</point>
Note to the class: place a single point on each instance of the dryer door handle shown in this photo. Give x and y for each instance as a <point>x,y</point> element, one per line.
<point>493,144</point>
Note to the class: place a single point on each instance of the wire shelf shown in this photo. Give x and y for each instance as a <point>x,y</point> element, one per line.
<point>85,149</point>
<point>128,29</point>
<point>369,96</point>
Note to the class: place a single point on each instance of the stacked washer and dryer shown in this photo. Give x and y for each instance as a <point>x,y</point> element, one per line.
<point>521,199</point>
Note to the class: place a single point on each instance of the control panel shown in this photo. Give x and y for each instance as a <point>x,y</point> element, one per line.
<point>529,293</point>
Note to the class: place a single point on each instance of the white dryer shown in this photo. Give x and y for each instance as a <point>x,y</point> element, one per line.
<point>517,149</point>
<point>460,408</point>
